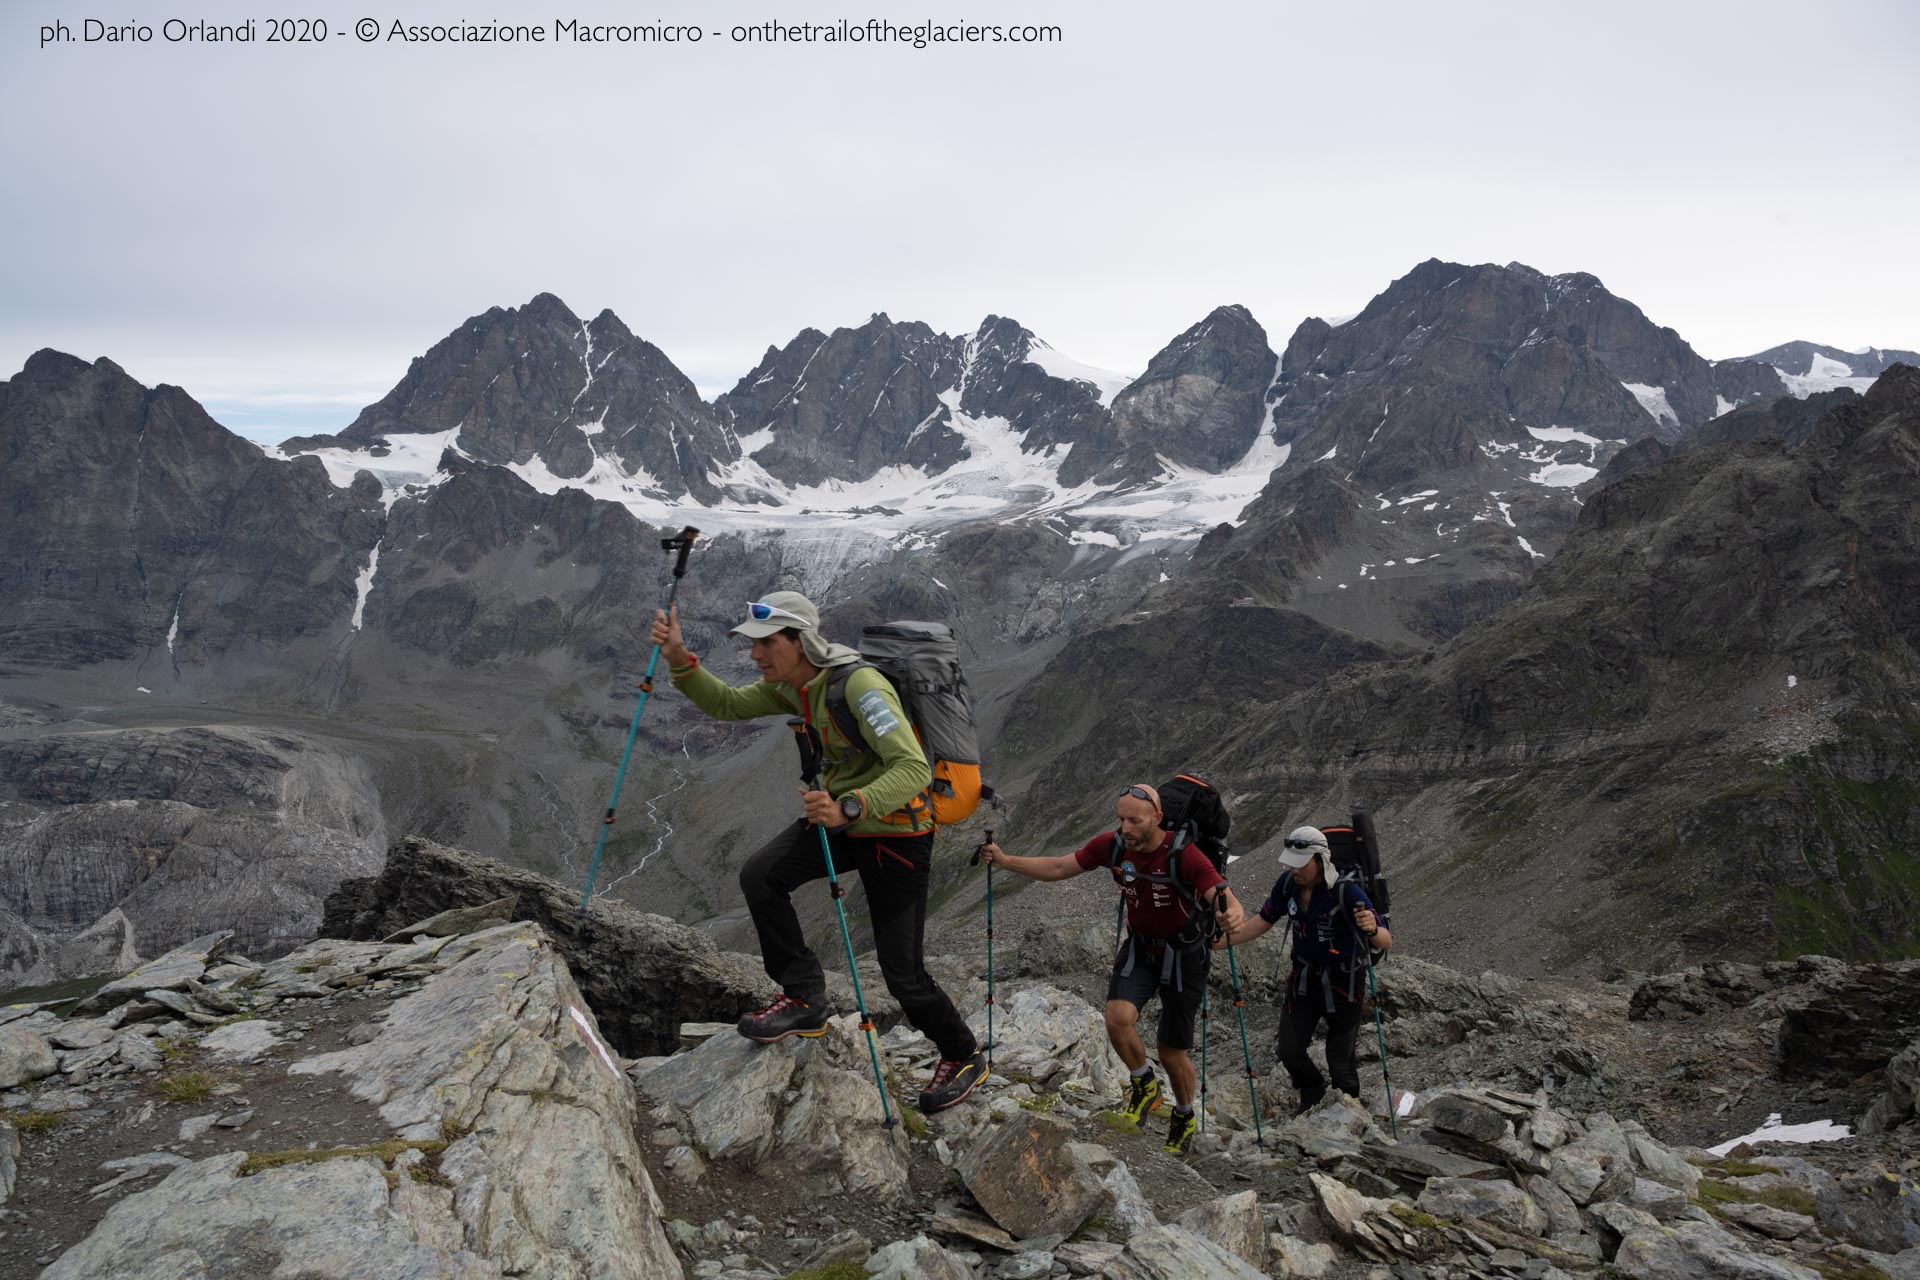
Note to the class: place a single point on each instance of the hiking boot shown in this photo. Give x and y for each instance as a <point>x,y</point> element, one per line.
<point>1308,1101</point>
<point>1143,1098</point>
<point>1180,1132</point>
<point>784,1017</point>
<point>953,1079</point>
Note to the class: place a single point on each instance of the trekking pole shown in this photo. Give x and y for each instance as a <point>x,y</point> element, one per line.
<point>976,862</point>
<point>681,542</point>
<point>1203,1056</point>
<point>1386,1077</point>
<point>807,738</point>
<point>1246,1051</point>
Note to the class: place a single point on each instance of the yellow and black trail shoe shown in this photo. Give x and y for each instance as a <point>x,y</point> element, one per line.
<point>1143,1097</point>
<point>1181,1130</point>
<point>953,1079</point>
<point>784,1017</point>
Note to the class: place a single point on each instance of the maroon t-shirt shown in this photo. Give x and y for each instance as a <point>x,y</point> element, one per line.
<point>1153,910</point>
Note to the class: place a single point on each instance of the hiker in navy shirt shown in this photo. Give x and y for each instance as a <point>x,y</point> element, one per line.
<point>1331,925</point>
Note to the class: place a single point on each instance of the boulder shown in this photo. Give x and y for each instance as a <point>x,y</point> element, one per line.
<point>457,920</point>
<point>1501,1203</point>
<point>915,1259</point>
<point>642,974</point>
<point>166,973</point>
<point>24,1056</point>
<point>1046,1035</point>
<point>513,1153</point>
<point>1697,1251</point>
<point>1027,1180</point>
<point>1235,1223</point>
<point>1178,1253</point>
<point>803,1110</point>
<point>1896,1106</point>
<point>1874,1210</point>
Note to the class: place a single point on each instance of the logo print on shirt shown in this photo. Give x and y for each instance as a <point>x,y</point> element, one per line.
<point>880,717</point>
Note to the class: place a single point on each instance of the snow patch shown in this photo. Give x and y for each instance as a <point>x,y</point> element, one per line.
<point>1566,434</point>
<point>1774,1131</point>
<point>363,585</point>
<point>173,628</point>
<point>1564,475</point>
<point>1528,547</point>
<point>1722,406</point>
<point>1105,382</point>
<point>1792,681</point>
<point>1823,374</point>
<point>1654,401</point>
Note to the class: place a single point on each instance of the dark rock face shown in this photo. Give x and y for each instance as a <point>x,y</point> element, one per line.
<point>181,833</point>
<point>643,974</point>
<point>843,405</point>
<point>537,382</point>
<point>1692,735</point>
<point>1741,382</point>
<point>1849,1023</point>
<point>1787,417</point>
<point>1056,413</point>
<point>1202,400</point>
<point>134,522</point>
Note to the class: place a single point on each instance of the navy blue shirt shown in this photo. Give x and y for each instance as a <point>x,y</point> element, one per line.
<point>1323,937</point>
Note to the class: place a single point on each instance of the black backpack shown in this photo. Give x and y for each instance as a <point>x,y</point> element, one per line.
<point>1356,855</point>
<point>1193,811</point>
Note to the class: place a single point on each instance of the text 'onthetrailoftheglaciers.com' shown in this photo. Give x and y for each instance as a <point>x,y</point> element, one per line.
<point>564,31</point>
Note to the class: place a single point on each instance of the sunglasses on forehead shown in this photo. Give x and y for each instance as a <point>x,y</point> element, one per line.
<point>761,611</point>
<point>1141,793</point>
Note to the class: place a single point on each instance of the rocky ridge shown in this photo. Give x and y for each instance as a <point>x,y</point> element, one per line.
<point>399,1108</point>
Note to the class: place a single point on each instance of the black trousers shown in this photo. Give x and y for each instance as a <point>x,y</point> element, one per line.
<point>1299,1016</point>
<point>894,871</point>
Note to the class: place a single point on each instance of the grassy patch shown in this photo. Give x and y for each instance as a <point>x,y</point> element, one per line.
<point>387,1152</point>
<point>1037,1102</point>
<point>186,1086</point>
<point>1839,1268</point>
<point>1117,1122</point>
<point>915,1123</point>
<point>1713,1191</point>
<point>1414,1217</point>
<point>832,1271</point>
<point>1731,1168</point>
<point>30,1124</point>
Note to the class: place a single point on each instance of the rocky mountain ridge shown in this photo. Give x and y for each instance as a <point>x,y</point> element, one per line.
<point>395,1107</point>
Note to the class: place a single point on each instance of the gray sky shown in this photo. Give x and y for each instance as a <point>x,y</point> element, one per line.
<point>281,228</point>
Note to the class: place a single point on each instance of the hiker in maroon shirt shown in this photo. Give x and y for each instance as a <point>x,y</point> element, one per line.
<point>1166,950</point>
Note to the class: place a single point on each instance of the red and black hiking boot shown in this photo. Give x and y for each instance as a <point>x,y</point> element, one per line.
<point>952,1081</point>
<point>784,1017</point>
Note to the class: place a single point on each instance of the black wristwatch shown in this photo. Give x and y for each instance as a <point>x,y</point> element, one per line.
<point>851,807</point>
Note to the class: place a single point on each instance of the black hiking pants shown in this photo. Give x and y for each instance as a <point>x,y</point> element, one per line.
<point>894,871</point>
<point>1299,1017</point>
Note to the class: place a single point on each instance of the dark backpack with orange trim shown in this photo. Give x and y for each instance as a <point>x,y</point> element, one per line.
<point>1192,805</point>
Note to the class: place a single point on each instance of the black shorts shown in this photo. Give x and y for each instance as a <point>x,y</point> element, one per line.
<point>1178,1007</point>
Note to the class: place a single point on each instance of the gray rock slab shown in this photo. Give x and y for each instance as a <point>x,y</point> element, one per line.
<point>168,972</point>
<point>457,921</point>
<point>1697,1251</point>
<point>1500,1203</point>
<point>24,1057</point>
<point>9,1160</point>
<point>1177,1253</point>
<point>1023,1175</point>
<point>1235,1223</point>
<point>243,1041</point>
<point>916,1259</point>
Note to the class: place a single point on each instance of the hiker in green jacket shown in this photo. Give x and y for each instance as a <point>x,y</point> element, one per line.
<point>879,823</point>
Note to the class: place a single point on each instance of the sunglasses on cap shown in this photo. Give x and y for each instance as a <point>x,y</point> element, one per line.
<point>1291,843</point>
<point>761,611</point>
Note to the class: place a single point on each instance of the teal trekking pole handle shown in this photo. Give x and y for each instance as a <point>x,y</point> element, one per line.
<point>683,543</point>
<point>807,739</point>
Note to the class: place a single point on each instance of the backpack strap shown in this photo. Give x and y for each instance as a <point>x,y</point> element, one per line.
<point>842,714</point>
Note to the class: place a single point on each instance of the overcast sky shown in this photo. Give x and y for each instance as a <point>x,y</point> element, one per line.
<point>281,228</point>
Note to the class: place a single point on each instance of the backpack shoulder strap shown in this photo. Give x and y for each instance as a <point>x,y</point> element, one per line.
<point>842,714</point>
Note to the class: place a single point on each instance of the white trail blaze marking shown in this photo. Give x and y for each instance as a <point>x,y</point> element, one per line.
<point>593,1039</point>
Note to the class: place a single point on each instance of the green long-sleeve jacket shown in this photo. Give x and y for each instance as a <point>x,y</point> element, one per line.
<point>890,776</point>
